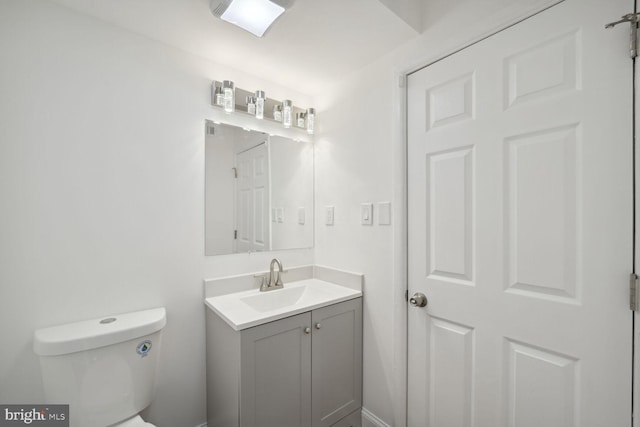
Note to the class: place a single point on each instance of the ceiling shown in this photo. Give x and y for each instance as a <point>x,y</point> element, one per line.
<point>313,44</point>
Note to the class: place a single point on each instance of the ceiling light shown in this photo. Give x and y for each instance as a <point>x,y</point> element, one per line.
<point>254,16</point>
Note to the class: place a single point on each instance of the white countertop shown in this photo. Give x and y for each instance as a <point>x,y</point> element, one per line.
<point>245,309</point>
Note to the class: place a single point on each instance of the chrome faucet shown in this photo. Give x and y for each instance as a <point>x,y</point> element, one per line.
<point>275,279</point>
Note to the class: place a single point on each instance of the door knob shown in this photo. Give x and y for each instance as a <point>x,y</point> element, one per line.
<point>307,330</point>
<point>418,300</point>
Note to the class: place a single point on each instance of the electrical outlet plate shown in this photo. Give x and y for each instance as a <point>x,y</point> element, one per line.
<point>329,212</point>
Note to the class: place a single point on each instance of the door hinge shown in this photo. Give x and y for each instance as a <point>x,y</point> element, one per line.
<point>631,18</point>
<point>235,234</point>
<point>634,292</point>
<point>235,172</point>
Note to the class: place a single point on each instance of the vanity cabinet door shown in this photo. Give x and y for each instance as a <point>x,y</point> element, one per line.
<point>275,383</point>
<point>336,362</point>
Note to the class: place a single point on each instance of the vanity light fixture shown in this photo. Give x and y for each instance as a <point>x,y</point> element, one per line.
<point>234,100</point>
<point>254,16</point>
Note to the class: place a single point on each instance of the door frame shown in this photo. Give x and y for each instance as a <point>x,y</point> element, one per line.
<point>635,392</point>
<point>400,211</point>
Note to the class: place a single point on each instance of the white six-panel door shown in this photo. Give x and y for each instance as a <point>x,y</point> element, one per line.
<point>252,199</point>
<point>520,226</point>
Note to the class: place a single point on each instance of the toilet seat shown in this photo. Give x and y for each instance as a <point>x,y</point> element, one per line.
<point>136,421</point>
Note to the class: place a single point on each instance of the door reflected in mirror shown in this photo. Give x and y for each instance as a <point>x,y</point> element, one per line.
<point>258,191</point>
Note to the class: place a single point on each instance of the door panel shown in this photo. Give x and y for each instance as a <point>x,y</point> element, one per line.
<point>547,379</point>
<point>450,207</point>
<point>451,373</point>
<point>519,228</point>
<point>253,199</point>
<point>542,260</point>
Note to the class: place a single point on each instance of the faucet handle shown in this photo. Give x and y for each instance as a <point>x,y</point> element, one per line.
<point>264,284</point>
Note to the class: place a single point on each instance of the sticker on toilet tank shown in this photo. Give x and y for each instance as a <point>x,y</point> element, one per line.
<point>144,348</point>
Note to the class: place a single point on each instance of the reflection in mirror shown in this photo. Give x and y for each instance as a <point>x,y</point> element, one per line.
<point>258,191</point>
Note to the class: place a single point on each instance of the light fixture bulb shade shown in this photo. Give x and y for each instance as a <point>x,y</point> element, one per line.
<point>287,113</point>
<point>229,96</point>
<point>254,16</point>
<point>311,120</point>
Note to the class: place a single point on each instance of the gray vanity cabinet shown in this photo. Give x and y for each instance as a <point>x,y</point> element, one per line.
<point>275,373</point>
<point>300,371</point>
<point>336,368</point>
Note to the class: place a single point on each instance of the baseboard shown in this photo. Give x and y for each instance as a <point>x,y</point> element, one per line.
<point>370,420</point>
<point>202,425</point>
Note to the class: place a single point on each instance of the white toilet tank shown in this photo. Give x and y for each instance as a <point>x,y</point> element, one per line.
<point>103,368</point>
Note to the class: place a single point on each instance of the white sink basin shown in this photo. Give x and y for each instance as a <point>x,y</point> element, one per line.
<point>243,310</point>
<point>275,299</point>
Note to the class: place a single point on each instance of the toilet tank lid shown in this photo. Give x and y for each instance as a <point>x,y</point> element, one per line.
<point>90,334</point>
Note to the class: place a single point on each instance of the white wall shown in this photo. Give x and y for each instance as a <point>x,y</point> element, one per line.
<point>355,164</point>
<point>360,157</point>
<point>102,192</point>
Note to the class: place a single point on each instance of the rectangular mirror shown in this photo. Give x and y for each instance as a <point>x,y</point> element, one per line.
<point>258,191</point>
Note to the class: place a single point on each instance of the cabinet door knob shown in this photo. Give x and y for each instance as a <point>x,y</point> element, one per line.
<point>307,330</point>
<point>318,325</point>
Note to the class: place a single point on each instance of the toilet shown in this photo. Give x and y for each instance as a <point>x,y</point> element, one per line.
<point>104,369</point>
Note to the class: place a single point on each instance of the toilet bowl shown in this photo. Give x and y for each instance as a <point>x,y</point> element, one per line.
<point>104,368</point>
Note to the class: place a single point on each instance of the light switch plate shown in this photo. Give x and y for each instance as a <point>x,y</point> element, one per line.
<point>384,213</point>
<point>328,211</point>
<point>366,213</point>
